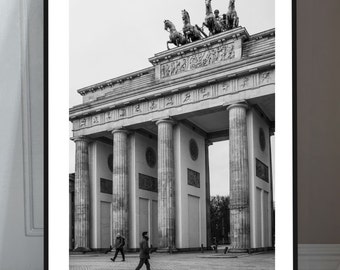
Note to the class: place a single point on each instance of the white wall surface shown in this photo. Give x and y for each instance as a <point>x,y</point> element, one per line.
<point>183,161</point>
<point>98,166</point>
<point>21,185</point>
<point>139,144</point>
<point>260,237</point>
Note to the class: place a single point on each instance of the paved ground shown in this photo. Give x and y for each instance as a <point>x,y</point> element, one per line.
<point>182,261</point>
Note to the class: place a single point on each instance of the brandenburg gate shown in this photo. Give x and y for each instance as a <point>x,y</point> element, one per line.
<point>142,146</point>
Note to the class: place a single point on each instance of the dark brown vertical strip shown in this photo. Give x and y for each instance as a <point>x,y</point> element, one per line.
<point>318,121</point>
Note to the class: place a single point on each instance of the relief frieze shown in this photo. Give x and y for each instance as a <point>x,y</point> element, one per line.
<point>226,87</point>
<point>187,97</point>
<point>108,116</point>
<point>153,105</point>
<point>95,119</point>
<point>122,112</point>
<point>201,59</point>
<point>245,82</point>
<point>82,123</point>
<point>169,101</point>
<point>265,77</point>
<point>204,93</point>
<point>138,108</point>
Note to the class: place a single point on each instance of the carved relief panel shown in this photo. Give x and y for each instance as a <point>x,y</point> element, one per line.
<point>203,58</point>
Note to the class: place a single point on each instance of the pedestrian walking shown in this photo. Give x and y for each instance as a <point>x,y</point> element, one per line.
<point>119,245</point>
<point>144,253</point>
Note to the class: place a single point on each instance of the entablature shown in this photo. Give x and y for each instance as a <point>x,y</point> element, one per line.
<point>210,95</point>
<point>218,74</point>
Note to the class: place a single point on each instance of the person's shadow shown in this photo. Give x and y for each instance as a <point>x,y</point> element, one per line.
<point>109,249</point>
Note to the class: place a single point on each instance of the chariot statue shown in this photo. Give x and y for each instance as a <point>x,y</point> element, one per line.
<point>175,37</point>
<point>191,33</point>
<point>213,22</point>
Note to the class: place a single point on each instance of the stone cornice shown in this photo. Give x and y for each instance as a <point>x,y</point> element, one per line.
<point>263,34</point>
<point>224,72</point>
<point>112,82</point>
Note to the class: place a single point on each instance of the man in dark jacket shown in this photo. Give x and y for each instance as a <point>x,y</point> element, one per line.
<point>119,245</point>
<point>144,253</point>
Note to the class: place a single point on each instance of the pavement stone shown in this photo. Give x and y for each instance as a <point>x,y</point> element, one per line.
<point>179,261</point>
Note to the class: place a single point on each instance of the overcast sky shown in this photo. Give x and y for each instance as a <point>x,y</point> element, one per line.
<point>109,38</point>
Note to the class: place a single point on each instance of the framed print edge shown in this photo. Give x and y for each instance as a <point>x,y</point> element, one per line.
<point>59,105</point>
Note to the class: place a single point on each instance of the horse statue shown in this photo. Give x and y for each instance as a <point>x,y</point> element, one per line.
<point>191,33</point>
<point>213,25</point>
<point>232,19</point>
<point>176,37</point>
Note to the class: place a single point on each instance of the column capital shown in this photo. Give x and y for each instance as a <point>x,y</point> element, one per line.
<point>120,130</point>
<point>81,138</point>
<point>236,105</point>
<point>239,103</point>
<point>165,120</point>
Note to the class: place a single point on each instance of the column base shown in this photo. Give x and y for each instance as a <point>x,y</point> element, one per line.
<point>239,250</point>
<point>82,249</point>
<point>167,250</point>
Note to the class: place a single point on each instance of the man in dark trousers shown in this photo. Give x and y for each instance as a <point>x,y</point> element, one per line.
<point>119,245</point>
<point>144,253</point>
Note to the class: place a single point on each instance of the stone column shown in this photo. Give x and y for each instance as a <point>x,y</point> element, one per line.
<point>82,196</point>
<point>120,185</point>
<point>166,185</point>
<point>207,192</point>
<point>239,178</point>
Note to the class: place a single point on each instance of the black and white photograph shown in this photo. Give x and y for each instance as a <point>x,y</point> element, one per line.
<point>172,134</point>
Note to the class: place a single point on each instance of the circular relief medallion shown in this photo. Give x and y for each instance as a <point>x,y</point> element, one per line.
<point>193,147</point>
<point>262,139</point>
<point>150,156</point>
<point>110,162</point>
